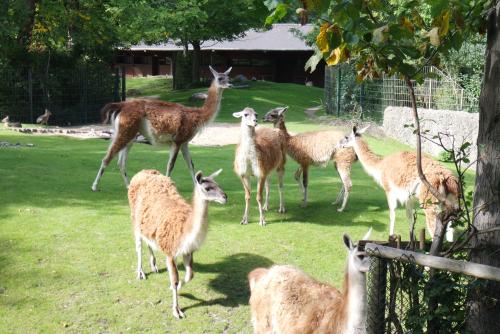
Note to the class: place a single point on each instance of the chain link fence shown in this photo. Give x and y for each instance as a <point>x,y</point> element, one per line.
<point>344,95</point>
<point>74,95</point>
<point>404,297</point>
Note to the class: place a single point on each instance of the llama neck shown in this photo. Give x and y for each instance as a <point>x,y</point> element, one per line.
<point>199,210</point>
<point>280,124</point>
<point>247,136</point>
<point>211,106</point>
<point>354,301</point>
<point>368,159</point>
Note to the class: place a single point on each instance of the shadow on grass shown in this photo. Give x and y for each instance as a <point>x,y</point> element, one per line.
<point>231,280</point>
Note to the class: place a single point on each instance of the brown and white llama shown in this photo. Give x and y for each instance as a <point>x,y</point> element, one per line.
<point>315,148</point>
<point>165,221</point>
<point>258,153</point>
<point>283,299</point>
<point>159,122</point>
<point>8,124</point>
<point>44,118</point>
<point>397,174</point>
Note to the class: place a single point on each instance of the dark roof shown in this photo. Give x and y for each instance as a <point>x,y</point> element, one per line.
<point>279,38</point>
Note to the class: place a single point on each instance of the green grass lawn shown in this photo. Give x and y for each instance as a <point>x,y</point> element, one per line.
<point>67,257</point>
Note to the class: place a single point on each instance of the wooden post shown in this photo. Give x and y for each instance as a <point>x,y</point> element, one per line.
<point>377,285</point>
<point>124,91</point>
<point>339,83</point>
<point>421,239</point>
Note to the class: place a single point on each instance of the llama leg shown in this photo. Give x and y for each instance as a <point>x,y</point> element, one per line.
<point>266,201</point>
<point>260,185</point>
<point>138,249</point>
<point>174,285</point>
<point>297,175</point>
<point>410,211</point>
<point>174,150</point>
<point>305,183</point>
<point>188,264</point>
<point>392,201</point>
<point>340,195</point>
<point>345,176</point>
<point>152,260</point>
<point>122,162</point>
<point>187,158</point>
<point>280,191</point>
<point>246,185</point>
<point>449,232</point>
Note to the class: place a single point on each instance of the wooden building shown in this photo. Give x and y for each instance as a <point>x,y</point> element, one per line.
<point>276,55</point>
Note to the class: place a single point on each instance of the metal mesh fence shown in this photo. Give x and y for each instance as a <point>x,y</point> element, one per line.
<point>404,297</point>
<point>344,95</point>
<point>74,95</point>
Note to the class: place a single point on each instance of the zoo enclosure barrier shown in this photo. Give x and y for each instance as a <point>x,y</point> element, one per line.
<point>74,95</point>
<point>344,95</point>
<point>410,292</point>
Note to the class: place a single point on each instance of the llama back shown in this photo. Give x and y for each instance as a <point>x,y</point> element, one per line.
<point>314,147</point>
<point>282,295</point>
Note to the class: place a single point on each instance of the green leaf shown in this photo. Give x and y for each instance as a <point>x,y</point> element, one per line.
<point>313,61</point>
<point>277,15</point>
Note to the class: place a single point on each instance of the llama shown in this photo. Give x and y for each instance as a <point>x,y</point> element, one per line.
<point>283,299</point>
<point>258,154</point>
<point>8,124</point>
<point>44,118</point>
<point>164,220</point>
<point>398,176</point>
<point>316,148</point>
<point>159,122</point>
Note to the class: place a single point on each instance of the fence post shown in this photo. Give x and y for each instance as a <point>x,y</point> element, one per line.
<point>339,82</point>
<point>116,90</point>
<point>30,92</point>
<point>124,91</point>
<point>375,322</point>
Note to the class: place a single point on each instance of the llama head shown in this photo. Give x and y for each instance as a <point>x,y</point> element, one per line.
<point>248,117</point>
<point>357,260</point>
<point>47,112</point>
<point>5,119</point>
<point>221,79</point>
<point>209,189</point>
<point>274,115</point>
<point>348,141</point>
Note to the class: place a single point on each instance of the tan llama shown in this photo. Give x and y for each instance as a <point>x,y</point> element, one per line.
<point>160,122</point>
<point>284,300</point>
<point>165,221</point>
<point>44,118</point>
<point>398,176</point>
<point>258,153</point>
<point>316,148</point>
<point>8,124</point>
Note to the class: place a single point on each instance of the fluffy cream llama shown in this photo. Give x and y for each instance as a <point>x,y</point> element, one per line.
<point>258,154</point>
<point>316,149</point>
<point>398,176</point>
<point>165,221</point>
<point>159,122</point>
<point>284,300</point>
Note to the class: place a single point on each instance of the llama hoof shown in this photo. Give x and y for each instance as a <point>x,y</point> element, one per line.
<point>244,221</point>
<point>304,204</point>
<point>265,207</point>
<point>176,312</point>
<point>187,279</point>
<point>141,275</point>
<point>340,209</point>
<point>154,269</point>
<point>262,223</point>
<point>281,210</point>
<point>94,187</point>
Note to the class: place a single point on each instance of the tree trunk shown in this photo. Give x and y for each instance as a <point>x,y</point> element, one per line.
<point>24,36</point>
<point>196,61</point>
<point>484,299</point>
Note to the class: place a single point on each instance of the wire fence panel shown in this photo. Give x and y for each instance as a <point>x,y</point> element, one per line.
<point>344,95</point>
<point>74,96</point>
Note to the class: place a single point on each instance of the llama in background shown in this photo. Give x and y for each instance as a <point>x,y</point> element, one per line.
<point>164,220</point>
<point>285,300</point>
<point>44,118</point>
<point>258,154</point>
<point>398,175</point>
<point>316,148</point>
<point>159,122</point>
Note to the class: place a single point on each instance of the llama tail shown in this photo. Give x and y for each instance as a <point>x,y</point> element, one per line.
<point>110,111</point>
<point>255,275</point>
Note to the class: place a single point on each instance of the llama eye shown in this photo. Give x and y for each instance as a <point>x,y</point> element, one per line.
<point>208,188</point>
<point>246,115</point>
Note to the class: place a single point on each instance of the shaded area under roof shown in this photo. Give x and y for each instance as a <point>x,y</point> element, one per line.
<point>280,38</point>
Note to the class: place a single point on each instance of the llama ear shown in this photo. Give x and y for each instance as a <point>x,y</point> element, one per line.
<point>228,70</point>
<point>367,235</point>
<point>198,176</point>
<point>214,72</point>
<point>354,130</point>
<point>363,129</point>
<point>215,174</point>
<point>348,242</point>
<point>237,114</point>
<point>282,110</point>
